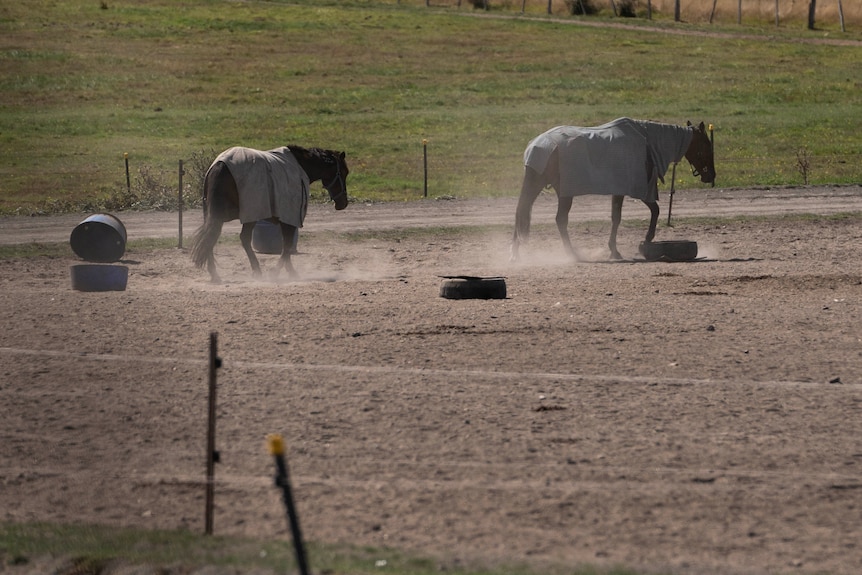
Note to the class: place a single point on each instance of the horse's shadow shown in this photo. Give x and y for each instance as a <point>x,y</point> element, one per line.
<point>667,261</point>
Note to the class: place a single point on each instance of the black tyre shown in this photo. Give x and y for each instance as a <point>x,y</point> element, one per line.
<point>469,287</point>
<point>674,251</point>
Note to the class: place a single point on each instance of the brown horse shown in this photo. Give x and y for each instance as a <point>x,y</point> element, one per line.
<point>621,158</point>
<point>252,185</point>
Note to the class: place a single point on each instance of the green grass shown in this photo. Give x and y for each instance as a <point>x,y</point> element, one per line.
<point>90,550</point>
<point>162,81</point>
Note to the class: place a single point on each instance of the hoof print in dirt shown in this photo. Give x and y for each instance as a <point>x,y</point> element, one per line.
<point>672,251</point>
<point>471,287</point>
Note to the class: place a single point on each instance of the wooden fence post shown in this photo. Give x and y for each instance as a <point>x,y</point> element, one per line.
<point>841,15</point>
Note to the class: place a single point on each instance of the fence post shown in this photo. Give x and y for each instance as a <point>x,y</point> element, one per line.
<point>672,188</point>
<point>712,143</point>
<point>425,165</point>
<point>282,480</point>
<point>128,180</point>
<point>212,454</point>
<point>841,15</point>
<point>180,206</point>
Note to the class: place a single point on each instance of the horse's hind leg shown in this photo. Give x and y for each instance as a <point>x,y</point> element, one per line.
<point>564,205</point>
<point>616,218</point>
<point>211,268</point>
<point>245,237</point>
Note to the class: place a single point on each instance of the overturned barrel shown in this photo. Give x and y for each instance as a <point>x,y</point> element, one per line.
<point>99,238</point>
<point>266,238</point>
<point>99,277</point>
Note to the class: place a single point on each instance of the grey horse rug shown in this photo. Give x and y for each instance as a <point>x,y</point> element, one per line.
<point>625,157</point>
<point>270,184</point>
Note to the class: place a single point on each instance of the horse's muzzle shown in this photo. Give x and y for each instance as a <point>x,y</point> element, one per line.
<point>341,200</point>
<point>707,176</point>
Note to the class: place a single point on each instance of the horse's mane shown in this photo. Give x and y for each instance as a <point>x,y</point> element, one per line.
<point>326,156</point>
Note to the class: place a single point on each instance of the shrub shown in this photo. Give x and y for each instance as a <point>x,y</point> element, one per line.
<point>581,7</point>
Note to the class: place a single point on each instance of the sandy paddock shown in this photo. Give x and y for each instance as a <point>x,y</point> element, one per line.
<point>701,417</point>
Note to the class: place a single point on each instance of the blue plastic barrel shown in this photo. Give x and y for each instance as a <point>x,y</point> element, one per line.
<point>266,238</point>
<point>99,238</point>
<point>99,277</point>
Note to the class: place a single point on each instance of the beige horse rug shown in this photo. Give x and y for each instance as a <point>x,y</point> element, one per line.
<point>270,184</point>
<point>625,157</point>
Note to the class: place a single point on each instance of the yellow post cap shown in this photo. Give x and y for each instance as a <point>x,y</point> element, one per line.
<point>126,154</point>
<point>424,141</point>
<point>710,127</point>
<point>275,443</point>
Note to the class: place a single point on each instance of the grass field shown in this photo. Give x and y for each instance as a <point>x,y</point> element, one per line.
<point>84,83</point>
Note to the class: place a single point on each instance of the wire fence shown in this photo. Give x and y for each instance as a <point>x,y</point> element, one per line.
<point>821,14</point>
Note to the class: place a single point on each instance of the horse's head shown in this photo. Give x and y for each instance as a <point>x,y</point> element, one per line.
<point>335,178</point>
<point>699,154</point>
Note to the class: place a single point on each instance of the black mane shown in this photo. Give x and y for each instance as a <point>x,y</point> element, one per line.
<point>325,156</point>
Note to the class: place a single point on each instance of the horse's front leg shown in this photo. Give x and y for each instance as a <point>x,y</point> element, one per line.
<point>564,205</point>
<point>245,237</point>
<point>653,220</point>
<point>616,218</point>
<point>288,243</point>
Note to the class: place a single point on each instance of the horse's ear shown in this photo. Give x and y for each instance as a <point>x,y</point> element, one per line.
<point>702,128</point>
<point>341,155</point>
<point>688,122</point>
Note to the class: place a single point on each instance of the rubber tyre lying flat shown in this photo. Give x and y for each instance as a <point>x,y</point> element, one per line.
<point>473,288</point>
<point>674,251</point>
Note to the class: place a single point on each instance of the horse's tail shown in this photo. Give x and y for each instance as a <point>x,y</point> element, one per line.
<point>207,235</point>
<point>205,239</point>
<point>530,189</point>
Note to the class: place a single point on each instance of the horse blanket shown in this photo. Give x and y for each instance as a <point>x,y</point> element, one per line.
<point>625,157</point>
<point>270,184</point>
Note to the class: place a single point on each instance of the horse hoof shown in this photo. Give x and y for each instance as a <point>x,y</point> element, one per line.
<point>274,274</point>
<point>514,254</point>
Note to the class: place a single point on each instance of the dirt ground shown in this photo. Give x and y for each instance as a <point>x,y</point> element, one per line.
<point>692,418</point>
